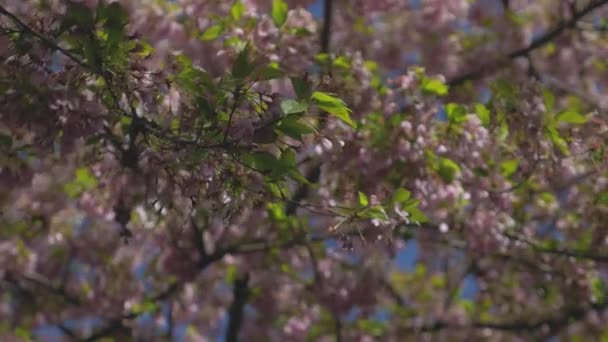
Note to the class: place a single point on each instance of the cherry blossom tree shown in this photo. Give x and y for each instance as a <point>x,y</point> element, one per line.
<point>281,170</point>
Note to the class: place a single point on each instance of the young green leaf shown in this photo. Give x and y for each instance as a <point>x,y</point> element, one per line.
<point>375,212</point>
<point>456,113</point>
<point>571,117</point>
<point>434,86</point>
<point>508,167</point>
<point>293,128</point>
<point>333,105</point>
<point>401,196</point>
<point>548,100</point>
<point>212,32</point>
<point>483,113</point>
<point>363,201</point>
<point>448,169</point>
<point>279,12</point>
<point>557,139</point>
<point>292,107</point>
<point>237,10</point>
<point>417,215</point>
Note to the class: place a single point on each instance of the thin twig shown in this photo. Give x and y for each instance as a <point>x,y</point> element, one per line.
<point>522,52</point>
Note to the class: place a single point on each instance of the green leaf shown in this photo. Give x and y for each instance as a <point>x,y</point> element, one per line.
<point>375,212</point>
<point>279,12</point>
<point>342,62</point>
<point>602,198</point>
<point>265,135</point>
<point>270,72</point>
<point>77,15</point>
<point>322,58</point>
<point>190,78</point>
<point>276,211</point>
<point>571,117</point>
<point>85,178</point>
<point>483,113</point>
<point>294,129</point>
<point>372,327</point>
<point>363,201</point>
<point>288,156</point>
<point>242,66</point>
<point>264,161</point>
<point>297,176</point>
<point>548,100</point>
<point>301,88</point>
<point>327,99</point>
<point>145,306</point>
<point>448,169</point>
<point>333,105</point>
<point>115,16</point>
<point>401,196</point>
<point>434,86</point>
<point>503,131</point>
<point>455,113</point>
<point>558,140</point>
<point>292,107</point>
<point>23,334</point>
<point>231,273</point>
<point>237,10</point>
<point>213,32</point>
<point>417,215</point>
<point>508,167</point>
<point>6,140</point>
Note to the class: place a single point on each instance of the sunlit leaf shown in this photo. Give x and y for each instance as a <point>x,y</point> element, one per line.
<point>548,99</point>
<point>212,32</point>
<point>279,12</point>
<point>363,201</point>
<point>455,113</point>
<point>483,113</point>
<point>434,86</point>
<point>571,117</point>
<point>401,195</point>
<point>508,167</point>
<point>333,105</point>
<point>237,10</point>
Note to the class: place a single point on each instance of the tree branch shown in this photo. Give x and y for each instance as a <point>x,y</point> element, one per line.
<point>522,52</point>
<point>578,254</point>
<point>566,318</point>
<point>240,294</point>
<point>48,42</point>
<point>327,20</point>
<point>315,172</point>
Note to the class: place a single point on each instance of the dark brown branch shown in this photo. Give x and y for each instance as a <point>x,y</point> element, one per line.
<point>577,254</point>
<point>116,326</point>
<point>522,52</point>
<point>240,294</point>
<point>315,172</point>
<point>46,41</point>
<point>562,320</point>
<point>327,20</point>
<point>338,328</point>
